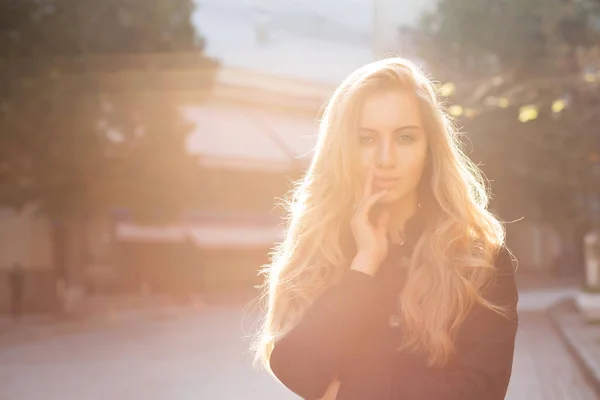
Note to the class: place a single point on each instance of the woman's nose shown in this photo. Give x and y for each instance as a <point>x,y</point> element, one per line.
<point>385,156</point>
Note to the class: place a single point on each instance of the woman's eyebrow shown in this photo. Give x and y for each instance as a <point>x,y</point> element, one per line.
<point>401,129</point>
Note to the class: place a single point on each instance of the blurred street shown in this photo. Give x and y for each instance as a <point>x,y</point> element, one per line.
<point>147,150</point>
<point>203,355</point>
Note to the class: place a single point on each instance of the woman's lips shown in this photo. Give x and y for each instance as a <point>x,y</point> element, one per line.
<point>385,183</point>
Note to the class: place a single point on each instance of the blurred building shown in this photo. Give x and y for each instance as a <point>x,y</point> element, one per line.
<point>25,239</point>
<point>252,137</point>
<point>253,134</point>
<point>393,23</point>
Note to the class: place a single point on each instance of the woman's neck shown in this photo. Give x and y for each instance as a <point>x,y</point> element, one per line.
<point>401,211</point>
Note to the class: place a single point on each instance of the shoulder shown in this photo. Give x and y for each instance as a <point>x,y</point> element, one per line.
<point>502,289</point>
<point>496,324</point>
<point>505,262</point>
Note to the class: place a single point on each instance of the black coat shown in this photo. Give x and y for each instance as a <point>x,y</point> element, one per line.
<point>352,333</point>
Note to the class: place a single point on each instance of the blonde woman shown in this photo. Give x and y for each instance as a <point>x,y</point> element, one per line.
<point>393,281</point>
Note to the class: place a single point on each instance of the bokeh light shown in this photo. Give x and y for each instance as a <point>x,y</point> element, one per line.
<point>528,113</point>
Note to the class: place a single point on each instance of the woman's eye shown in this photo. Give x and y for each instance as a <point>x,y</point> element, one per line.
<point>366,139</point>
<point>405,138</point>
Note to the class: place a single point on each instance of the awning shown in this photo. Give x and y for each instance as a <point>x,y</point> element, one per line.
<point>129,232</point>
<point>219,236</point>
<point>238,137</point>
<point>203,235</point>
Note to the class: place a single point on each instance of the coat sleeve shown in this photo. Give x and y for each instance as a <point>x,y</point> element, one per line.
<point>482,367</point>
<point>307,359</point>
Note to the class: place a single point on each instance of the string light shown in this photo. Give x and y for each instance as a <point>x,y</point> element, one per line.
<point>589,77</point>
<point>456,110</point>
<point>447,89</point>
<point>558,105</point>
<point>503,103</point>
<point>470,112</point>
<point>528,113</point>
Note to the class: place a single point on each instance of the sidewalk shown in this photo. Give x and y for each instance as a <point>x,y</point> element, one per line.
<point>582,338</point>
<point>97,312</point>
<point>536,292</point>
<point>527,281</point>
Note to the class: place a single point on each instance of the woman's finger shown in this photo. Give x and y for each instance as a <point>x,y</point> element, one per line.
<point>366,206</point>
<point>382,221</point>
<point>368,188</point>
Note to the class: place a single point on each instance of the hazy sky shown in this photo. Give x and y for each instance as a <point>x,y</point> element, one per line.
<point>319,40</point>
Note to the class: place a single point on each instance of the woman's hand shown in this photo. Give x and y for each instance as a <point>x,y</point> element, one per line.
<point>371,241</point>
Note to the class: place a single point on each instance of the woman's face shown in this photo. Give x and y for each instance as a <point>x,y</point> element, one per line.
<point>392,143</point>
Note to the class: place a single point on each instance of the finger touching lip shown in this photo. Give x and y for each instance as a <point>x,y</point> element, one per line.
<point>385,183</point>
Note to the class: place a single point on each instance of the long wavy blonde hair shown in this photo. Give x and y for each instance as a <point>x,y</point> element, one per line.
<point>452,262</point>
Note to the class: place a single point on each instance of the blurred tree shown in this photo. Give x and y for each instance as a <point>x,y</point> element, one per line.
<point>504,55</point>
<point>55,135</point>
<point>480,38</point>
<point>74,142</point>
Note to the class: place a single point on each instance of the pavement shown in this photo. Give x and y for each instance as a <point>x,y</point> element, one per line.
<point>543,367</point>
<point>555,297</point>
<point>581,337</point>
<point>96,313</point>
<point>537,293</point>
<point>205,355</point>
<point>155,349</point>
<point>101,312</point>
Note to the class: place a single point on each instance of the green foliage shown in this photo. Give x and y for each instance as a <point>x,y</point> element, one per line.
<point>531,52</point>
<point>72,144</point>
<point>480,38</point>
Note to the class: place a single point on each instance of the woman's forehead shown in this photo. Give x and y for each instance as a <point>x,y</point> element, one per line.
<point>393,109</point>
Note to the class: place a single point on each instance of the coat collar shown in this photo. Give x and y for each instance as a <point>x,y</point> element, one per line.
<point>413,229</point>
<point>415,226</point>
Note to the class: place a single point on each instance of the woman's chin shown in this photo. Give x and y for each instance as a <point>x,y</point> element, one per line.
<point>390,197</point>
